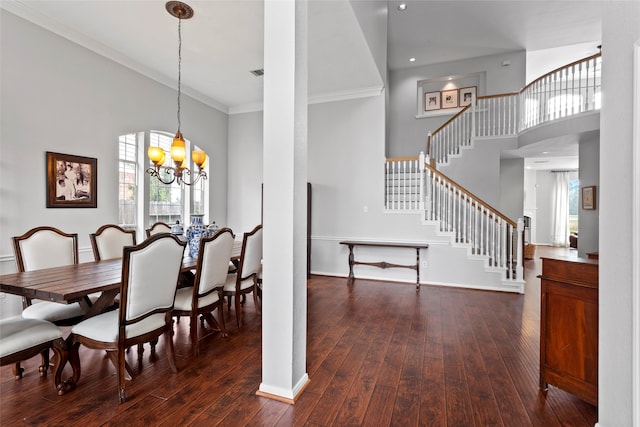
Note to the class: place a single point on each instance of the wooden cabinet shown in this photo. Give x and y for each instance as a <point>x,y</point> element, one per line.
<point>569,326</point>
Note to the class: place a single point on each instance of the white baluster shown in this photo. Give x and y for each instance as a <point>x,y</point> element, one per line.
<point>519,259</point>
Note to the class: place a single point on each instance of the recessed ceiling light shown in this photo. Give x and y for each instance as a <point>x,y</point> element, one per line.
<point>402,6</point>
<point>450,78</point>
<point>412,59</point>
<point>545,152</point>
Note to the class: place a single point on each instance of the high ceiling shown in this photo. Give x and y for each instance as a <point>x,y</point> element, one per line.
<point>223,42</point>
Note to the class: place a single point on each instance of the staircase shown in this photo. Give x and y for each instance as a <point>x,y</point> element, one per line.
<point>475,231</point>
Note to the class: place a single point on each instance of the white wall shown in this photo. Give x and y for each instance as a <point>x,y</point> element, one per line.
<point>512,188</point>
<point>408,135</point>
<point>616,402</point>
<point>58,96</point>
<point>589,174</point>
<point>478,169</point>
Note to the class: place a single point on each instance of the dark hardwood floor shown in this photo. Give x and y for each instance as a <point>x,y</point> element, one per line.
<point>378,354</point>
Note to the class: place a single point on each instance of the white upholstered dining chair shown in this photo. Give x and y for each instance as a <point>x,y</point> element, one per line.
<point>107,242</point>
<point>149,278</point>
<point>158,227</point>
<point>21,339</point>
<point>206,294</point>
<point>244,280</point>
<point>46,247</point>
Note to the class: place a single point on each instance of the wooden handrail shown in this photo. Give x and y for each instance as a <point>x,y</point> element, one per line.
<point>452,119</point>
<point>469,193</point>
<point>560,68</point>
<point>500,95</point>
<point>401,159</point>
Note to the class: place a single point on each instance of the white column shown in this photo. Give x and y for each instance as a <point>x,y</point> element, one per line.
<point>284,309</point>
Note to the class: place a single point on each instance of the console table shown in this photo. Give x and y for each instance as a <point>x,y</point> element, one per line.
<point>382,264</point>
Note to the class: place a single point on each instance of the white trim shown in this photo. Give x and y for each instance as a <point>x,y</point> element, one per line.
<point>346,95</point>
<point>635,249</point>
<point>285,393</point>
<point>317,99</point>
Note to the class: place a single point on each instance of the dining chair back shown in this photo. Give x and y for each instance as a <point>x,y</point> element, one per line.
<point>158,227</point>
<point>107,242</point>
<point>45,247</point>
<point>245,279</point>
<point>22,338</point>
<point>206,294</point>
<point>149,278</point>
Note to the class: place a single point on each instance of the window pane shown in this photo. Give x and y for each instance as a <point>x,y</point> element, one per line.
<point>165,201</point>
<point>128,180</point>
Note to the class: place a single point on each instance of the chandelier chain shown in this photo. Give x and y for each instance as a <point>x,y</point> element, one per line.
<point>179,67</point>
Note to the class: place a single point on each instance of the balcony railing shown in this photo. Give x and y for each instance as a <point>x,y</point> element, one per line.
<point>566,91</point>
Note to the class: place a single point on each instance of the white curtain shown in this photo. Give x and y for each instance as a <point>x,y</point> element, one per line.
<point>560,222</point>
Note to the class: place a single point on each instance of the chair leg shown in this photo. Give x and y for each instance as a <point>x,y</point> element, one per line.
<point>193,332</point>
<point>237,298</point>
<point>255,301</point>
<point>223,328</point>
<point>17,370</point>
<point>44,365</point>
<point>61,355</point>
<point>170,351</point>
<point>140,351</point>
<point>120,367</point>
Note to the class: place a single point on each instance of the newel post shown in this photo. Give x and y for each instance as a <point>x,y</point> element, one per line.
<point>422,179</point>
<point>473,116</point>
<point>519,246</point>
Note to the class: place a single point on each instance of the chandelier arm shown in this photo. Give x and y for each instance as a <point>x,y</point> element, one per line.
<point>201,174</point>
<point>155,172</point>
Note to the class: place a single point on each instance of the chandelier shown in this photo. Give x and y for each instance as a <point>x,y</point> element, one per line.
<point>178,151</point>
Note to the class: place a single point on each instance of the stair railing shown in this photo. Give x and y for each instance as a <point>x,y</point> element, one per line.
<point>403,184</point>
<point>568,90</point>
<point>472,221</point>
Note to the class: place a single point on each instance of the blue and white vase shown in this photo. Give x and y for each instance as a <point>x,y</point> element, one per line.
<point>195,232</point>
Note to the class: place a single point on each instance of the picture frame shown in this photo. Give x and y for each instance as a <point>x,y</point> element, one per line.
<point>72,181</point>
<point>450,98</point>
<point>466,95</point>
<point>589,198</point>
<point>432,101</point>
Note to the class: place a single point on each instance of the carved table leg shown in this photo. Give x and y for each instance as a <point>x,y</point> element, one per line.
<point>351,258</point>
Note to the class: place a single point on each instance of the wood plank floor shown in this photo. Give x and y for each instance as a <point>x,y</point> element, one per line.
<point>378,354</point>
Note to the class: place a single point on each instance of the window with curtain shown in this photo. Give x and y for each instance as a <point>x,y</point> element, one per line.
<point>560,220</point>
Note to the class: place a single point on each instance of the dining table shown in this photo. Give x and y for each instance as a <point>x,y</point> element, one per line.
<point>73,283</point>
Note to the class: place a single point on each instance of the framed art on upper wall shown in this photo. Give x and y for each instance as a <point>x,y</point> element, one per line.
<point>72,181</point>
<point>466,95</point>
<point>431,101</point>
<point>450,98</point>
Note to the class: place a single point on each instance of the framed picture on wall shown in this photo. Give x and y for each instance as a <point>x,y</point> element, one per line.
<point>466,94</point>
<point>589,198</point>
<point>431,101</point>
<point>71,181</point>
<point>450,98</point>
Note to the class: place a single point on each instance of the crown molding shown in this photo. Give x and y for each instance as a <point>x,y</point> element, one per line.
<point>318,99</point>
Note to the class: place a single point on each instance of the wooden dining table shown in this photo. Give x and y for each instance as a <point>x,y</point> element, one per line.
<point>74,283</point>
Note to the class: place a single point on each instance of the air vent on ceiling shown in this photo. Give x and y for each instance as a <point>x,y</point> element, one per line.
<point>258,73</point>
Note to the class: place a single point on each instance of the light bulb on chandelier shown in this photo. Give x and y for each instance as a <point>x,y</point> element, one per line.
<point>178,147</point>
